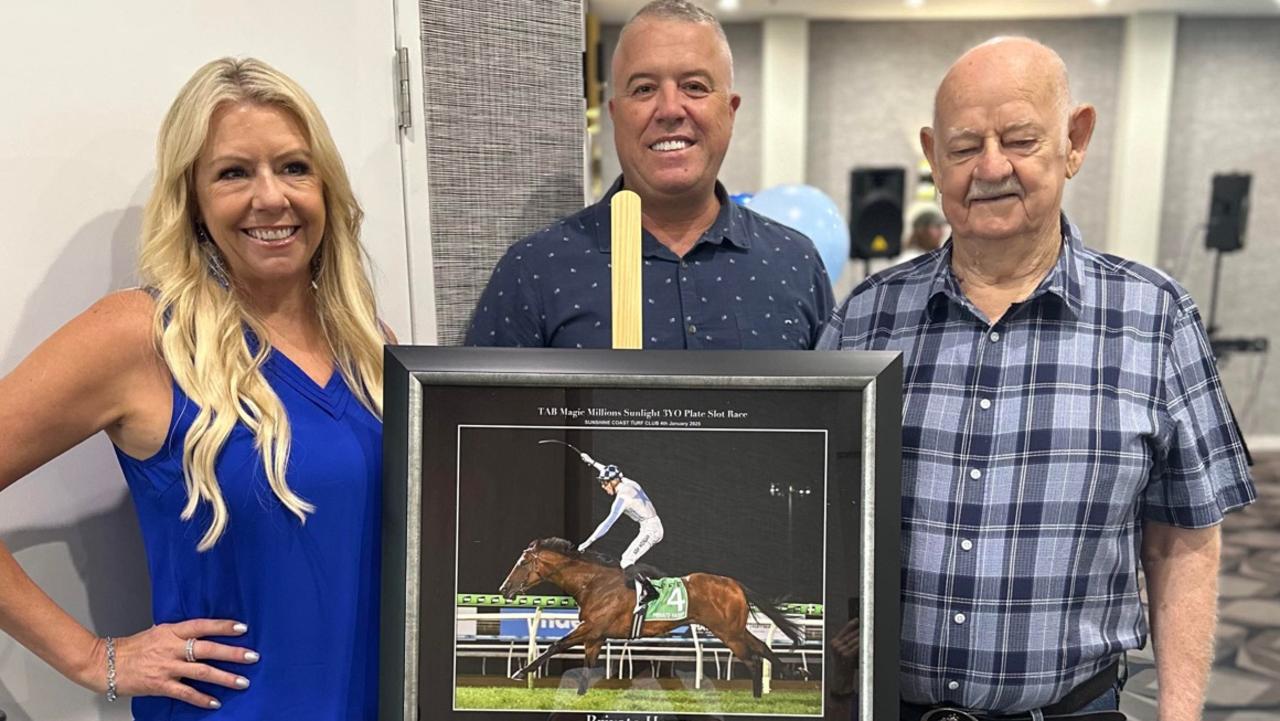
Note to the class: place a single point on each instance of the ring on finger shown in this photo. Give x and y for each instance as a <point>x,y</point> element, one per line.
<point>191,650</point>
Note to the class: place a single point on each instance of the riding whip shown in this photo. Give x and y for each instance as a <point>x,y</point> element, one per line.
<point>570,445</point>
<point>602,469</point>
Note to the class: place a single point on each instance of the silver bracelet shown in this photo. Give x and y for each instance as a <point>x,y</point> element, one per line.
<point>111,669</point>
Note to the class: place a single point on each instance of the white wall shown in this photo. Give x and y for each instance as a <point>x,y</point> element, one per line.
<point>85,87</point>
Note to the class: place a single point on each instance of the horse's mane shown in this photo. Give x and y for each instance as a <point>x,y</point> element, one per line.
<point>569,549</point>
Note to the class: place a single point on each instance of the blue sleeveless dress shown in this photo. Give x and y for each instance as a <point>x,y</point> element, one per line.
<point>308,592</point>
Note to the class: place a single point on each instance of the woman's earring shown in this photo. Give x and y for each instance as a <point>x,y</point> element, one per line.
<point>315,272</point>
<point>213,256</point>
<point>217,268</point>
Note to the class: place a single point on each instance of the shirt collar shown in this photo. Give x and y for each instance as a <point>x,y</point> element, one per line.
<point>729,225</point>
<point>1062,281</point>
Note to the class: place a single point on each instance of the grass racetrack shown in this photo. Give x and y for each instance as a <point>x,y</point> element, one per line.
<point>654,700</point>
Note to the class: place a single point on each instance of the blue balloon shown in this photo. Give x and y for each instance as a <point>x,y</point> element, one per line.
<point>813,213</point>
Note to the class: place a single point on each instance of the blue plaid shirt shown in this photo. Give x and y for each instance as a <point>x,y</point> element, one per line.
<point>1033,450</point>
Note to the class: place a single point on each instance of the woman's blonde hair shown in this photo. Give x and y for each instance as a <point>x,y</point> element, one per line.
<point>202,322</point>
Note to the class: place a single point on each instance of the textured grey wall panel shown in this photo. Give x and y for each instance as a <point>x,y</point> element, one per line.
<point>741,170</point>
<point>1226,118</point>
<point>871,88</point>
<point>505,133</point>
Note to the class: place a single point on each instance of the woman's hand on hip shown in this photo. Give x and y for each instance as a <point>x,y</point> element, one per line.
<point>157,661</point>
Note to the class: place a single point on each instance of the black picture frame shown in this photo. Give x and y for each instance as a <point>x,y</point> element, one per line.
<point>464,476</point>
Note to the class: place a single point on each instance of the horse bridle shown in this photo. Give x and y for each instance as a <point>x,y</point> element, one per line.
<point>535,561</point>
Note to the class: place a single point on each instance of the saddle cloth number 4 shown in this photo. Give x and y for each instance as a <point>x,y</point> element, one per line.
<point>672,603</point>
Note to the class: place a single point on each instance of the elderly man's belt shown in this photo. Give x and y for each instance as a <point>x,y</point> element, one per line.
<point>955,714</point>
<point>1066,708</point>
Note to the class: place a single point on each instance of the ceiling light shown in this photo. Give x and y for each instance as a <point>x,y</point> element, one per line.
<point>914,3</point>
<point>729,6</point>
<point>1102,3</point>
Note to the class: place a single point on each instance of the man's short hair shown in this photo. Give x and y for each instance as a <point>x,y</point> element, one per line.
<point>681,11</point>
<point>676,10</point>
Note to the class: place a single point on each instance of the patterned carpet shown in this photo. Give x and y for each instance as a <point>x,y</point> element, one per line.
<point>1245,685</point>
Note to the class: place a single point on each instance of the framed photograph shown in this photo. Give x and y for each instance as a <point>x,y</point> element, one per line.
<point>640,536</point>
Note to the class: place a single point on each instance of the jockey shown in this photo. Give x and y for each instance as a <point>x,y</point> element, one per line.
<point>628,498</point>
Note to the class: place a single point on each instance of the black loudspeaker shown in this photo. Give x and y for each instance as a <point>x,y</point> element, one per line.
<point>1228,212</point>
<point>875,212</point>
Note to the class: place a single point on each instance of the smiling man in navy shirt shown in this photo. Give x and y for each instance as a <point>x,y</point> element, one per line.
<point>715,275</point>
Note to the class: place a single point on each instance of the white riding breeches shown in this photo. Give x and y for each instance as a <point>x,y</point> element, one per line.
<point>650,533</point>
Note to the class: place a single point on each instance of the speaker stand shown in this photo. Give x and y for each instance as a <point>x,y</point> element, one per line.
<point>1212,328</point>
<point>1224,347</point>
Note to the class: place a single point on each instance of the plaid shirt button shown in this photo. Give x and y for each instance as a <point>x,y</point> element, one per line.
<point>975,474</point>
<point>985,403</point>
<point>966,544</point>
<point>953,685</point>
<point>961,618</point>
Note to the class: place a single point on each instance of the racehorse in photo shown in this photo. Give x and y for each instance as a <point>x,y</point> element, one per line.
<point>606,599</point>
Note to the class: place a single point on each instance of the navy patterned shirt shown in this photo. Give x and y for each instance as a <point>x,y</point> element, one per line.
<point>748,282</point>
<point>1033,451</point>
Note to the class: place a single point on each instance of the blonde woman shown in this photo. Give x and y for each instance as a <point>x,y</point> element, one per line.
<point>242,390</point>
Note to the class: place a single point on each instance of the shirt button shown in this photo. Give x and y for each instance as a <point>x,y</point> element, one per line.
<point>960,618</point>
<point>684,264</point>
<point>995,336</point>
<point>966,544</point>
<point>985,403</point>
<point>953,685</point>
<point>693,328</point>
<point>975,474</point>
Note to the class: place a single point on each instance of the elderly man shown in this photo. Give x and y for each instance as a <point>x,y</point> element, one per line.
<point>1062,416</point>
<point>715,275</point>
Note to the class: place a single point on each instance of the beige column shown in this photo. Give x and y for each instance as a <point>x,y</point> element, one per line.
<point>1142,134</point>
<point>785,97</point>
